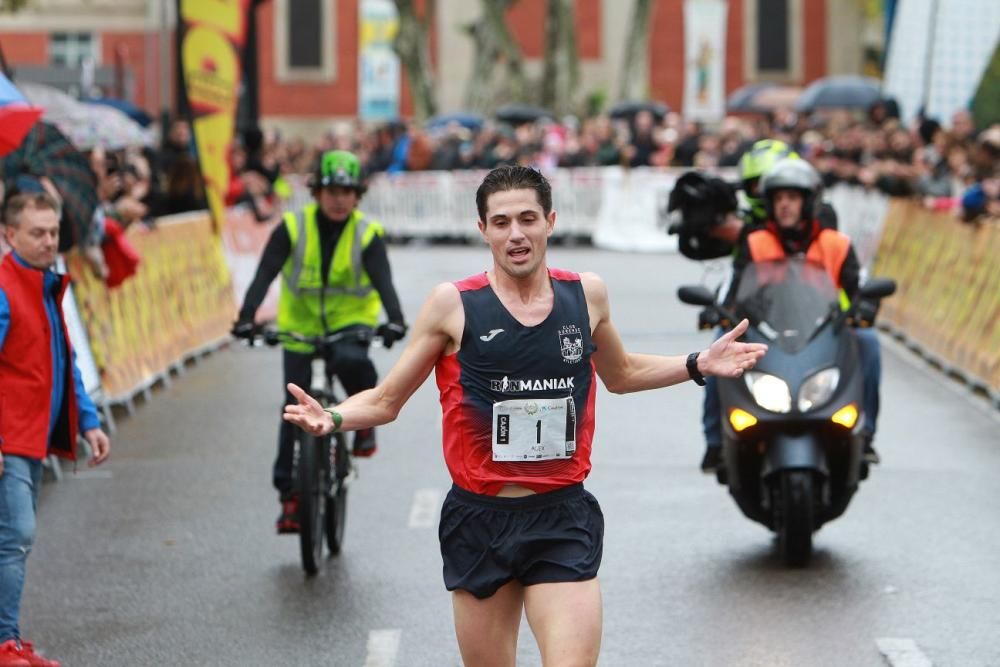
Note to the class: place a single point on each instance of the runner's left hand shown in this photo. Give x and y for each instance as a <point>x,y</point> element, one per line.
<point>729,358</point>
<point>308,414</point>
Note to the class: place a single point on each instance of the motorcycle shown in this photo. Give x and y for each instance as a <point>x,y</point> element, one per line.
<point>792,450</point>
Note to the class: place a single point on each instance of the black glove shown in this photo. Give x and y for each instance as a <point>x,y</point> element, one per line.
<point>708,318</point>
<point>390,332</point>
<point>865,312</point>
<point>244,329</point>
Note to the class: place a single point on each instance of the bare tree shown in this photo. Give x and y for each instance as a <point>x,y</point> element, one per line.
<point>632,80</point>
<point>561,71</point>
<point>495,46</point>
<point>412,45</point>
<point>12,5</point>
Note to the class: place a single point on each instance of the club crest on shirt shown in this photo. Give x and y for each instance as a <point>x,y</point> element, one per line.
<point>571,343</point>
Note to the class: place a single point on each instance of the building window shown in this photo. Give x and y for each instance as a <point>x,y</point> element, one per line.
<point>303,40</point>
<point>772,35</point>
<point>773,45</point>
<point>71,49</point>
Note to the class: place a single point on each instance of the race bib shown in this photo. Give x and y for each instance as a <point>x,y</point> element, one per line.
<point>537,429</point>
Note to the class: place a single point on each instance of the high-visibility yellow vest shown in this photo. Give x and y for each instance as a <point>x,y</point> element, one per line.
<point>347,297</point>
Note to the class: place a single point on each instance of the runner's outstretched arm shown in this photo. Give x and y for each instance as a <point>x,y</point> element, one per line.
<point>624,372</point>
<point>436,332</point>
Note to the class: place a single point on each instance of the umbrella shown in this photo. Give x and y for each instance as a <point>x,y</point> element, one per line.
<point>107,127</point>
<point>628,110</point>
<point>87,125</point>
<point>45,151</point>
<point>519,114</point>
<point>849,91</point>
<point>17,116</point>
<point>470,121</point>
<point>126,107</point>
<point>762,98</point>
<point>739,99</point>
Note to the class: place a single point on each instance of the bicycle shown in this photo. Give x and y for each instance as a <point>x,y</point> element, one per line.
<point>322,495</point>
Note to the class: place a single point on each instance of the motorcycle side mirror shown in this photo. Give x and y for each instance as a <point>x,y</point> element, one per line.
<point>876,288</point>
<point>695,295</point>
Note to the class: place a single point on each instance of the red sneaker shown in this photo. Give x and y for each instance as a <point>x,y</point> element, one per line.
<point>288,520</point>
<point>364,442</point>
<point>35,660</point>
<point>10,655</point>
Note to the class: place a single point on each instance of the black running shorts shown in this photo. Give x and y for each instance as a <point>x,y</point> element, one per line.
<point>550,537</point>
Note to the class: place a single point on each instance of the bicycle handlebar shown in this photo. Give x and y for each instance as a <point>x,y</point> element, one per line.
<point>272,337</point>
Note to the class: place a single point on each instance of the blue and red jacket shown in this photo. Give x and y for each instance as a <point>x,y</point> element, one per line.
<point>43,404</point>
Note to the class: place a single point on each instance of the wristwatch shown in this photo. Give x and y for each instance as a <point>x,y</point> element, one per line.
<point>692,366</point>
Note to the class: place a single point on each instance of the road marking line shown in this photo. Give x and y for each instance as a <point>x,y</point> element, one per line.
<point>383,645</point>
<point>902,652</point>
<point>424,511</point>
<point>91,474</point>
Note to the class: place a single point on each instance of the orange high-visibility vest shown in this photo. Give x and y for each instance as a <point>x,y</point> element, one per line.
<point>829,249</point>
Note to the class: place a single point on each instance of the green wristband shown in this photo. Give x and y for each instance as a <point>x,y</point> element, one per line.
<point>337,418</point>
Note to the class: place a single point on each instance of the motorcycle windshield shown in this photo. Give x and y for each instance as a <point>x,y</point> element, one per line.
<point>787,300</point>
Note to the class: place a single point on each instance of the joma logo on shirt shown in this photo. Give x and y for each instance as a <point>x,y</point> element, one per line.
<point>509,386</point>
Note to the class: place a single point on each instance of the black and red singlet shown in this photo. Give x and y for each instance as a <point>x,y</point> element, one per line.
<point>501,359</point>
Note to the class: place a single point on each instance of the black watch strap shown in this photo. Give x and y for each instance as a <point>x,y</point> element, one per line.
<point>692,366</point>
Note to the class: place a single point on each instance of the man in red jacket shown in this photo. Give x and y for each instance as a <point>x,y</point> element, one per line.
<point>43,405</point>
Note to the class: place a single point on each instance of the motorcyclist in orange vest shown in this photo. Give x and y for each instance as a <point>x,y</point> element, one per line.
<point>791,199</point>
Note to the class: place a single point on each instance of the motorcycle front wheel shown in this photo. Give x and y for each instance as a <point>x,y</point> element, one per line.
<point>793,520</point>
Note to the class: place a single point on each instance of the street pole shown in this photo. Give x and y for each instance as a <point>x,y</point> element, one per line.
<point>164,69</point>
<point>929,57</point>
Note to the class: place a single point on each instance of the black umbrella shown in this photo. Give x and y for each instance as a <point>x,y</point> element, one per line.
<point>47,152</point>
<point>849,91</point>
<point>519,114</point>
<point>739,99</point>
<point>628,110</point>
<point>762,98</point>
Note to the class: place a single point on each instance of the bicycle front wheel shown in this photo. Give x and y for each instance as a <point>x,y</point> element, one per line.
<point>336,502</point>
<point>313,473</point>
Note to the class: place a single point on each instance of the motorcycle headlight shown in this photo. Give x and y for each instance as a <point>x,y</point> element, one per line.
<point>770,392</point>
<point>818,389</point>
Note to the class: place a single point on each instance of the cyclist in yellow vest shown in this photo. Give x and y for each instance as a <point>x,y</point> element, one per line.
<point>335,276</point>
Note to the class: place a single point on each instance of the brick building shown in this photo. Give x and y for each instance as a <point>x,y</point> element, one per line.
<point>308,49</point>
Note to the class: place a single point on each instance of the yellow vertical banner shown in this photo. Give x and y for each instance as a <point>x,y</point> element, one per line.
<point>210,48</point>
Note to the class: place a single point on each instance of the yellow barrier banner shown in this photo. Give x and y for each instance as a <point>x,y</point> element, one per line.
<point>948,299</point>
<point>211,43</point>
<point>178,302</point>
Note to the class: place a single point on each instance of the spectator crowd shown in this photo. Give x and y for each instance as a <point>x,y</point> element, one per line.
<point>951,166</point>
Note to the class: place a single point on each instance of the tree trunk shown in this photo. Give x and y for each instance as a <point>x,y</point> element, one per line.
<point>569,65</point>
<point>413,46</point>
<point>561,71</point>
<point>494,46</point>
<point>633,85</point>
<point>12,5</point>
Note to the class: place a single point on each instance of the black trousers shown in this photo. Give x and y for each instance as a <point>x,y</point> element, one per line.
<point>353,369</point>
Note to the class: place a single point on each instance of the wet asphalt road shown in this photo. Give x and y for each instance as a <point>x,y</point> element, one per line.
<point>166,556</point>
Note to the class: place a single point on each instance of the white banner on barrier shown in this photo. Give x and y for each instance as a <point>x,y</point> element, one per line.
<point>615,208</point>
<point>630,211</point>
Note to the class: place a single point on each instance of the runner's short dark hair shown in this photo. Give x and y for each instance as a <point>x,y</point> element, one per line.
<point>514,177</point>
